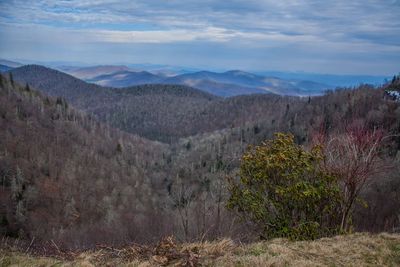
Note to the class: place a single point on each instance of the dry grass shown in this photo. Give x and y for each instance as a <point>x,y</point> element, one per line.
<point>351,250</point>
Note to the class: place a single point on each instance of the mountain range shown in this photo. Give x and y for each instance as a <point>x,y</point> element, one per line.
<point>181,110</point>
<point>225,84</point>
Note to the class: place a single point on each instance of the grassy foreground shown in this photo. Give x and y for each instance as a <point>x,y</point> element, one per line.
<point>352,250</point>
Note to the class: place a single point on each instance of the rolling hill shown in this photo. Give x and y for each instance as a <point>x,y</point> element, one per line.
<point>62,167</point>
<point>226,84</point>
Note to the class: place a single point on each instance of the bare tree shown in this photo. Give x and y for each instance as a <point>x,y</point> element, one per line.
<point>354,157</point>
<point>183,196</point>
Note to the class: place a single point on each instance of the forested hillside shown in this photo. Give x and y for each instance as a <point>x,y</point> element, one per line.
<point>68,177</point>
<point>159,112</point>
<point>153,111</point>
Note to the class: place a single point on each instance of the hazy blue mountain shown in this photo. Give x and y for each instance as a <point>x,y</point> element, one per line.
<point>296,83</point>
<point>222,89</point>
<point>126,78</point>
<point>231,77</point>
<point>4,68</point>
<point>91,72</point>
<point>230,83</point>
<point>198,80</point>
<point>329,79</point>
<point>249,83</point>
<point>10,63</point>
<point>162,69</point>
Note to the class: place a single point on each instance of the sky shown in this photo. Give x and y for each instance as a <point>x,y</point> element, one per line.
<point>325,36</point>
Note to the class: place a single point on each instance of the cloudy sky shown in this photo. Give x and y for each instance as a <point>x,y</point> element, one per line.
<point>335,36</point>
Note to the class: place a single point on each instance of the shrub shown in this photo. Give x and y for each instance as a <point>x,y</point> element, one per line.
<point>284,192</point>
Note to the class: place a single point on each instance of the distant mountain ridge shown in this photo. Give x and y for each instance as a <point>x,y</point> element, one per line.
<point>225,84</point>
<point>126,78</point>
<point>6,65</point>
<point>4,68</point>
<point>334,80</point>
<point>9,63</point>
<point>91,72</point>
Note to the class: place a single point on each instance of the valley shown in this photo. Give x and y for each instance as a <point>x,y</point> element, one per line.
<point>151,160</point>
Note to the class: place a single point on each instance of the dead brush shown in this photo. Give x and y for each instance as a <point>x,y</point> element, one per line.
<point>165,253</point>
<point>213,249</point>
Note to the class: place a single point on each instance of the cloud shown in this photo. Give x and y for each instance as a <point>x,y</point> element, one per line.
<point>367,20</point>
<point>327,29</point>
<point>29,32</point>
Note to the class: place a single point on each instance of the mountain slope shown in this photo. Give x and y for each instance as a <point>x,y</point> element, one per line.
<point>153,111</point>
<point>66,176</point>
<point>58,84</point>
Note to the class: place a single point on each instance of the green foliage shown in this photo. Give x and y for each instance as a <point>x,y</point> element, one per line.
<point>284,192</point>
<point>119,148</point>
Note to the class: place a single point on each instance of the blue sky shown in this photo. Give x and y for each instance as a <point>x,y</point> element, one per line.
<point>340,37</point>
